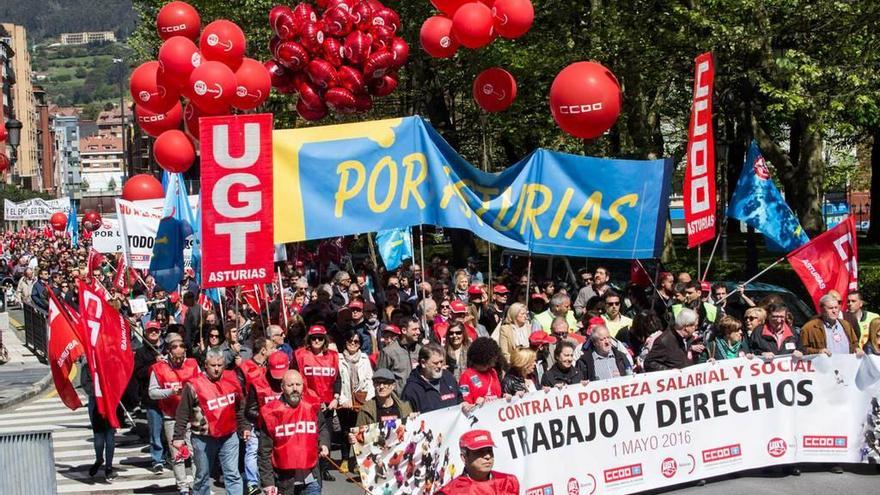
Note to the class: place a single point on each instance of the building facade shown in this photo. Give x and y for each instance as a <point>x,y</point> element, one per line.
<point>68,172</point>
<point>26,171</point>
<point>87,37</point>
<point>102,170</point>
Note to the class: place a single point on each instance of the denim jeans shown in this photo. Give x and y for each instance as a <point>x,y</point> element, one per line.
<point>154,422</point>
<point>207,450</point>
<point>288,487</point>
<point>251,470</point>
<point>105,441</point>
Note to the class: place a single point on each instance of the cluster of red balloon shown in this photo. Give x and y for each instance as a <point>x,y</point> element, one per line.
<point>338,56</point>
<point>58,221</point>
<point>213,76</point>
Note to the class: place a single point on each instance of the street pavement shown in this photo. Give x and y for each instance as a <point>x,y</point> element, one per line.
<point>23,376</point>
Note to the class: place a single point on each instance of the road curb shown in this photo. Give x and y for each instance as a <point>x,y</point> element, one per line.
<point>35,389</point>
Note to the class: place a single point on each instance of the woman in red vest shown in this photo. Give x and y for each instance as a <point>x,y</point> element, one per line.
<point>322,385</point>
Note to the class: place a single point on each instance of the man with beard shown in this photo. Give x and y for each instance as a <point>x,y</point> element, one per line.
<point>430,386</point>
<point>478,455</point>
<point>294,435</point>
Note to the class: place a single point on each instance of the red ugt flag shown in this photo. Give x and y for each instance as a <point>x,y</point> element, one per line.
<point>63,350</point>
<point>108,349</point>
<point>829,261</point>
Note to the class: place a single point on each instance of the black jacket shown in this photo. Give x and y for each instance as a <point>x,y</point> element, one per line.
<point>587,364</point>
<point>513,384</point>
<point>761,341</point>
<point>424,397</point>
<point>668,352</point>
<point>143,361</point>
<point>554,376</point>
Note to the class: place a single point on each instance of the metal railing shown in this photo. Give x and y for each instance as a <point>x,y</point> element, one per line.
<point>35,332</point>
<point>27,463</point>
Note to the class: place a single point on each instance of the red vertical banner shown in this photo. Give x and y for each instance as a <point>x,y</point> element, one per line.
<point>699,176</point>
<point>829,261</point>
<point>237,218</point>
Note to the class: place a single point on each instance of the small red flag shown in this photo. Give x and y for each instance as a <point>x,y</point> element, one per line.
<point>829,261</point>
<point>63,350</point>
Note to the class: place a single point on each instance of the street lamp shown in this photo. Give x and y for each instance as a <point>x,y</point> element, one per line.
<point>13,127</point>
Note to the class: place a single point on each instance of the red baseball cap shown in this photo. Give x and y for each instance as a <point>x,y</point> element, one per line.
<point>705,286</point>
<point>278,364</point>
<point>499,289</point>
<point>391,329</point>
<point>475,290</point>
<point>458,306</point>
<point>153,325</point>
<point>317,330</point>
<point>476,440</point>
<point>540,337</point>
<point>356,304</point>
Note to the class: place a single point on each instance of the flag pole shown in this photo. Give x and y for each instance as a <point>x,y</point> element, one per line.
<point>699,260</point>
<point>712,254</point>
<point>653,284</point>
<point>529,278</point>
<point>282,305</point>
<point>747,282</point>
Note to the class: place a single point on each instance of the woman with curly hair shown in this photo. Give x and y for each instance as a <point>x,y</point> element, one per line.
<point>480,381</point>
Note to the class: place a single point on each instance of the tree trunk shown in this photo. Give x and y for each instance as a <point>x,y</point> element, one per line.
<point>874,229</point>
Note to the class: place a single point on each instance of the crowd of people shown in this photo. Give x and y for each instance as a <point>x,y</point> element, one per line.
<point>259,386</point>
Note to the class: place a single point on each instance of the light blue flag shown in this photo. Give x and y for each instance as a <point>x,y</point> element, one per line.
<point>73,225</point>
<point>758,203</point>
<point>395,245</point>
<point>176,225</point>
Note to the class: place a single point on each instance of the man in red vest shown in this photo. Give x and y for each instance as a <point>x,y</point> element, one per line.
<point>477,452</point>
<point>213,407</point>
<point>167,378</point>
<point>253,373</point>
<point>293,437</point>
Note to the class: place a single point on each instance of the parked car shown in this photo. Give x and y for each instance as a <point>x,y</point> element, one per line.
<point>757,291</point>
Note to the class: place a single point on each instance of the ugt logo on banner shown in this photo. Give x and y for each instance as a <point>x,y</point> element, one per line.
<point>237,228</point>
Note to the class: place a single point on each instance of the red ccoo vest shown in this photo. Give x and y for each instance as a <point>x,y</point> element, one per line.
<point>319,373</point>
<point>167,377</point>
<point>294,432</point>
<point>250,369</point>
<point>217,400</point>
<point>264,391</point>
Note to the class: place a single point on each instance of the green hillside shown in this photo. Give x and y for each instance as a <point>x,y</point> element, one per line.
<point>80,75</point>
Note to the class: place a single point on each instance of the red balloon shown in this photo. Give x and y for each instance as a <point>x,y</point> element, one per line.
<point>212,86</point>
<point>363,102</point>
<point>148,91</point>
<point>282,21</point>
<point>3,133</point>
<point>191,115</point>
<point>337,21</point>
<point>351,79</point>
<point>92,220</point>
<point>436,37</point>
<point>142,186</point>
<point>382,37</point>
<point>156,123</point>
<point>178,19</point>
<point>378,64</point>
<point>321,73</point>
<point>174,151</point>
<point>449,7</point>
<point>178,56</point>
<point>292,55</point>
<point>362,15</point>
<point>303,14</point>
<point>253,84</point>
<point>333,51</point>
<point>59,220</point>
<point>309,113</point>
<point>346,4</point>
<point>280,76</point>
<point>312,38</point>
<point>223,41</point>
<point>340,100</point>
<point>494,89</point>
<point>400,50</point>
<point>357,47</point>
<point>472,25</point>
<point>386,17</point>
<point>5,162</point>
<point>585,99</point>
<point>513,18</point>
<point>274,41</point>
<point>309,96</point>
<point>383,86</point>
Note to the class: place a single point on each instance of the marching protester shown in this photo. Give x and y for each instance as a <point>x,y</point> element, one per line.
<point>457,344</point>
<point>260,378</point>
<point>615,321</point>
<point>514,331</point>
<point>563,372</point>
<point>430,386</point>
<point>728,342</point>
<point>855,306</point>
<point>385,405</point>
<point>521,377</point>
<point>480,381</point>
<point>827,333</point>
<point>776,336</point>
<point>560,306</point>
<point>144,358</point>
<point>104,433</point>
<point>357,388</point>
<point>677,347</point>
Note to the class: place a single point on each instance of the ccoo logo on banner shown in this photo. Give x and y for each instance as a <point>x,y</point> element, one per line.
<point>237,213</point>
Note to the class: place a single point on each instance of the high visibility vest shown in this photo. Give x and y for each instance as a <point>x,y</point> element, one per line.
<point>711,311</point>
<point>217,400</point>
<point>294,432</point>
<point>167,377</point>
<point>318,372</point>
<point>864,325</point>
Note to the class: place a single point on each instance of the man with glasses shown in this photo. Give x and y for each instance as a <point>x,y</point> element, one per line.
<point>615,321</point>
<point>827,333</point>
<point>431,386</point>
<point>167,378</point>
<point>478,455</point>
<point>359,325</point>
<point>339,294</point>
<point>276,334</point>
<point>601,279</point>
<point>676,348</point>
<point>776,337</point>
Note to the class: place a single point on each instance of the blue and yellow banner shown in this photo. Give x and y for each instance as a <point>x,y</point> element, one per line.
<point>373,176</point>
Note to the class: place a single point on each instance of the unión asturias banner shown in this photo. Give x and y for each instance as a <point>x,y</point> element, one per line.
<point>646,431</point>
<point>373,176</point>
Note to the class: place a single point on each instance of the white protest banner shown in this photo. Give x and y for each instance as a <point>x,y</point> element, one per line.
<point>638,433</point>
<point>35,208</point>
<point>108,238</point>
<point>138,227</point>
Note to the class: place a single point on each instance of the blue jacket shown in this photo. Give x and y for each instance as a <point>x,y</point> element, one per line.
<point>424,397</point>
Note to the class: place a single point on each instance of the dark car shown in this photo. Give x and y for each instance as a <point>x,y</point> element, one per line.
<point>757,291</point>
